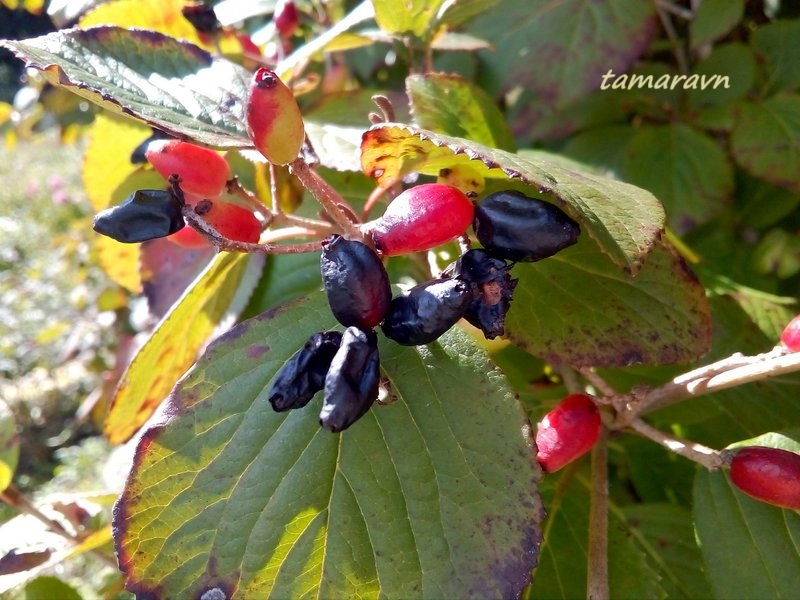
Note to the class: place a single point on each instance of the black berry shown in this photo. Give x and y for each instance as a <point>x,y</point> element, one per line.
<point>492,290</point>
<point>427,311</point>
<point>142,216</point>
<point>511,225</point>
<point>304,373</point>
<point>356,282</point>
<point>351,385</point>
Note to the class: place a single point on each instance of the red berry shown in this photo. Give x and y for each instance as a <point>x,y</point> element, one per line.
<point>791,335</point>
<point>768,474</point>
<point>567,432</point>
<point>286,18</point>
<point>202,170</point>
<point>274,121</point>
<point>188,237</point>
<point>421,218</point>
<point>230,220</point>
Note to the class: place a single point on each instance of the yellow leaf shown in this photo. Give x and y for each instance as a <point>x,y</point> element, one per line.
<point>120,261</point>
<point>94,540</point>
<point>159,15</point>
<point>33,6</point>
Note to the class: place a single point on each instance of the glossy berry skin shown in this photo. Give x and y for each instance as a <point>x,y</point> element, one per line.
<point>492,289</point>
<point>567,432</point>
<point>303,375</point>
<point>286,18</point>
<point>427,311</point>
<point>188,237</point>
<point>274,121</point>
<point>790,336</point>
<point>142,216</point>
<point>356,282</point>
<point>351,385</point>
<point>232,221</point>
<point>768,474</point>
<point>420,218</point>
<point>511,225</point>
<point>202,170</point>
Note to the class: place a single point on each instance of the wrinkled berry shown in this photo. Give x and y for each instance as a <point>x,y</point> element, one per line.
<point>567,432</point>
<point>274,120</point>
<point>492,290</point>
<point>771,475</point>
<point>201,16</point>
<point>513,226</point>
<point>144,215</point>
<point>427,311</point>
<point>304,373</point>
<point>202,171</point>
<point>356,282</point>
<point>351,385</point>
<point>138,156</point>
<point>790,336</point>
<point>420,218</point>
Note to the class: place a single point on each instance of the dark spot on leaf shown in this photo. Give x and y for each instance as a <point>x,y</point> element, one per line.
<point>256,351</point>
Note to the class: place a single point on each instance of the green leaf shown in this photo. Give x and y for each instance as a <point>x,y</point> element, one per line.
<point>542,46</point>
<point>409,16</point>
<point>164,82</point>
<point>714,19</point>
<point>762,204</point>
<point>285,277</point>
<point>47,588</point>
<point>777,45</point>
<point>9,446</point>
<point>562,569</point>
<point>601,147</point>
<point>173,346</point>
<point>693,178</point>
<point>454,13</point>
<point>733,69</point>
<point>452,105</point>
<point>665,531</point>
<point>433,495</point>
<point>577,308</point>
<point>622,219</point>
<point>766,140</point>
<point>749,547</point>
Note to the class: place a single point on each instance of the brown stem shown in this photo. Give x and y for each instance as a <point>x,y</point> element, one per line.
<point>597,555</point>
<point>677,47</point>
<point>386,106</point>
<point>13,497</point>
<point>273,189</point>
<point>698,453</point>
<point>329,198</point>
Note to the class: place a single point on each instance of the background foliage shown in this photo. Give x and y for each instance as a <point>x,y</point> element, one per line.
<point>437,493</point>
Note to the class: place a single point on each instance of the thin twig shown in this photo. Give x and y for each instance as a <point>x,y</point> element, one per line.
<point>677,48</point>
<point>386,106</point>
<point>708,457</point>
<point>730,372</point>
<point>597,555</point>
<point>329,198</point>
<point>598,382</point>
<point>273,190</point>
<point>13,497</point>
<point>676,10</point>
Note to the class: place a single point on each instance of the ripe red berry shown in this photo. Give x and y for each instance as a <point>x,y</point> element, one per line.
<point>420,218</point>
<point>202,170</point>
<point>567,432</point>
<point>274,121</point>
<point>768,474</point>
<point>230,220</point>
<point>286,18</point>
<point>790,337</point>
<point>188,237</point>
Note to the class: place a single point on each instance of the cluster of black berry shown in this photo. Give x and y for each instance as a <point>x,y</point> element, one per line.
<point>477,287</point>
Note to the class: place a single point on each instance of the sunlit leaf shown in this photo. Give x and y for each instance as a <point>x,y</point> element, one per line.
<point>433,495</point>
<point>119,261</point>
<point>163,16</point>
<point>173,346</point>
<point>622,219</point>
<point>749,547</point>
<point>9,445</point>
<point>409,16</point>
<point>173,85</point>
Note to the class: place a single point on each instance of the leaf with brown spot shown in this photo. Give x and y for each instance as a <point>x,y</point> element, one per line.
<point>435,495</point>
<point>623,220</point>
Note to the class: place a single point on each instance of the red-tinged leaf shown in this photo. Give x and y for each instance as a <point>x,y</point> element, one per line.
<point>16,562</point>
<point>623,220</point>
<point>434,495</point>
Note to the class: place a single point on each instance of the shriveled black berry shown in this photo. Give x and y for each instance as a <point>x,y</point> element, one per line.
<point>304,373</point>
<point>351,385</point>
<point>492,290</point>
<point>201,16</point>
<point>511,225</point>
<point>138,154</point>
<point>356,282</point>
<point>427,311</point>
<point>142,216</point>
